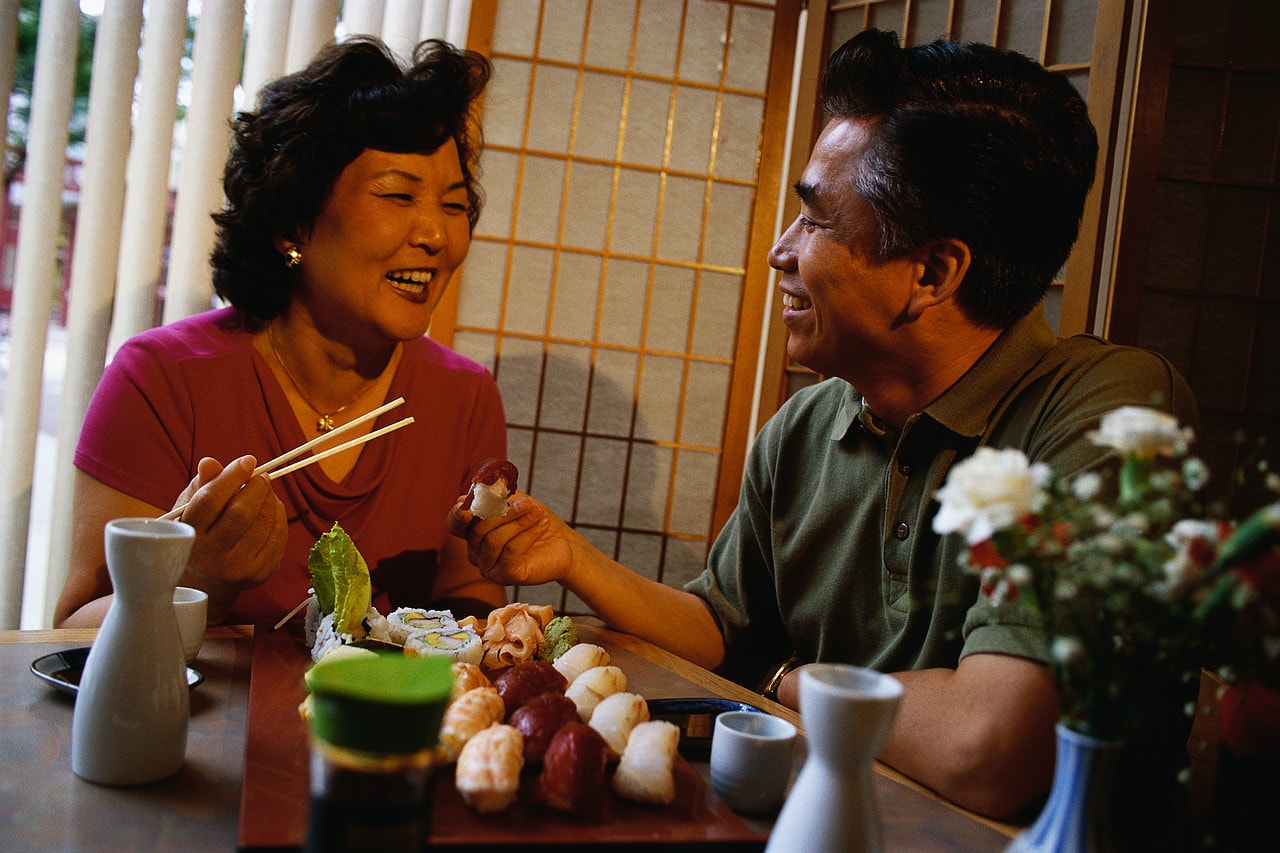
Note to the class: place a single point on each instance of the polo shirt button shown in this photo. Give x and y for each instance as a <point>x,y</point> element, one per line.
<point>902,531</point>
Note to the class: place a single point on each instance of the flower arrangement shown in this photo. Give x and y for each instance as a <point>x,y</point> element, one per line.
<point>1135,587</point>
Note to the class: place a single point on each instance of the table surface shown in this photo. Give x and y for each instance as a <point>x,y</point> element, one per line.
<point>43,806</point>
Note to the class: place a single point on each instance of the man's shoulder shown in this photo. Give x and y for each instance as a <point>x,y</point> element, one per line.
<point>1086,366</point>
<point>1050,412</point>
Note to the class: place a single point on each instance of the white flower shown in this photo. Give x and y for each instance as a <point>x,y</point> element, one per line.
<point>1087,486</point>
<point>1020,575</point>
<point>989,491</point>
<point>1140,431</point>
<point>1188,530</point>
<point>1067,650</point>
<point>1195,473</point>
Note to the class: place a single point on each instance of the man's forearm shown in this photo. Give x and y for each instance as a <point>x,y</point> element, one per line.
<point>981,736</point>
<point>669,618</point>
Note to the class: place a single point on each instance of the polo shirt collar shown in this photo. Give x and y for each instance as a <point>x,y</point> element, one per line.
<point>966,406</point>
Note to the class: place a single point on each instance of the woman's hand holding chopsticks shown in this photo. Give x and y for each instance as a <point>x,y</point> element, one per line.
<point>241,530</point>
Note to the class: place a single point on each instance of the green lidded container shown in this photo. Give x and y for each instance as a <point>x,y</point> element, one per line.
<point>379,703</point>
<point>375,719</point>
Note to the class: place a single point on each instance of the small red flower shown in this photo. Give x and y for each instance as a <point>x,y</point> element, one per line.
<point>1249,716</point>
<point>985,555</point>
<point>1263,575</point>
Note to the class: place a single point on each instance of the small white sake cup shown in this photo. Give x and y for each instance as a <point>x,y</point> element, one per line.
<point>751,760</point>
<point>191,606</point>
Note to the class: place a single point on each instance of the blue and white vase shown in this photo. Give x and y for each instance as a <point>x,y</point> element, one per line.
<point>1073,819</point>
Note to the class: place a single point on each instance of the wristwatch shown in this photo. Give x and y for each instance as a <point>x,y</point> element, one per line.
<point>769,688</point>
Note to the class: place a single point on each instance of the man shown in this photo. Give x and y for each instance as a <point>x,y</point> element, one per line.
<point>937,205</point>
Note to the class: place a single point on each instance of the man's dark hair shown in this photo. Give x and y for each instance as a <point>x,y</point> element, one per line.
<point>973,143</point>
<point>309,126</point>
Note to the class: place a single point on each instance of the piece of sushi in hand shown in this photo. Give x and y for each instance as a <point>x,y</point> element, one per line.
<point>493,482</point>
<point>458,644</point>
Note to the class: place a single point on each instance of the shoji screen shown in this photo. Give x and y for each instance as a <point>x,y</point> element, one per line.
<point>607,279</point>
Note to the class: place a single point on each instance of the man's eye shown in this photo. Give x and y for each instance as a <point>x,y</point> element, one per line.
<point>807,224</point>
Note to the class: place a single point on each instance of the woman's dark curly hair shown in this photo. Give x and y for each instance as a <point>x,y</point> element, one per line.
<point>974,143</point>
<point>309,126</point>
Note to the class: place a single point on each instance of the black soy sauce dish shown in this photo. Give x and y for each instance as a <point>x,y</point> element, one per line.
<point>696,718</point>
<point>62,670</point>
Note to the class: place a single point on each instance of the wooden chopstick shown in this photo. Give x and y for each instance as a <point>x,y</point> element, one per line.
<point>270,467</point>
<point>355,442</point>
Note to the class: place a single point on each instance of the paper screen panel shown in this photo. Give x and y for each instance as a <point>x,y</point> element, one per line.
<point>620,169</point>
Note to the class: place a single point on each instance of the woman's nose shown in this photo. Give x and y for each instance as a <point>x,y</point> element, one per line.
<point>429,233</point>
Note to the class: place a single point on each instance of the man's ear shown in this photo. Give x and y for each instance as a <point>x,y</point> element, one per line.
<point>941,266</point>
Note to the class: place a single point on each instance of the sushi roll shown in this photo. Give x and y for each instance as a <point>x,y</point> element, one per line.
<point>404,621</point>
<point>459,644</point>
<point>326,639</point>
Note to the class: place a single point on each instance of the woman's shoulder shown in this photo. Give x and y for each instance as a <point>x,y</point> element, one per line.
<point>436,357</point>
<point>203,335</point>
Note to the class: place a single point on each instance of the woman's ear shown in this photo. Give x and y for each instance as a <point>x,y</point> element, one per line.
<point>941,267</point>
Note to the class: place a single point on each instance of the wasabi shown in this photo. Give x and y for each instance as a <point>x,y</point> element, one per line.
<point>559,636</point>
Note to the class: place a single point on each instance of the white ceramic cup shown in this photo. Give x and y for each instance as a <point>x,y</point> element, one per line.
<point>191,606</point>
<point>751,760</point>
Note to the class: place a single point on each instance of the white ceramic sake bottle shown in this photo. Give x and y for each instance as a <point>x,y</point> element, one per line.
<point>831,808</point>
<point>130,720</point>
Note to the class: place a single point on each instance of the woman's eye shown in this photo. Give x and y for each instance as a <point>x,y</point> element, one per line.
<point>457,207</point>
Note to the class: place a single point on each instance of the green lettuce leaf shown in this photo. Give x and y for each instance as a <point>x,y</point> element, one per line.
<point>340,577</point>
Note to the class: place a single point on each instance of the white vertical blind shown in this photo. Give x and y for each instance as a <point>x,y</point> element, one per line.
<point>35,278</point>
<point>147,179</point>
<point>97,246</point>
<point>400,26</point>
<point>215,63</point>
<point>362,17</point>
<point>264,60</point>
<point>435,19</point>
<point>459,22</point>
<point>311,27</point>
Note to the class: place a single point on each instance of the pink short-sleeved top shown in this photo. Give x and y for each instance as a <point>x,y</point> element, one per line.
<point>198,387</point>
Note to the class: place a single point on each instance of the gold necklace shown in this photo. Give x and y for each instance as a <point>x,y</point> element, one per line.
<point>325,422</point>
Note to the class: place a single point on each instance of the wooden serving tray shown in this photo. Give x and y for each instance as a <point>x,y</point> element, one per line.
<point>274,799</point>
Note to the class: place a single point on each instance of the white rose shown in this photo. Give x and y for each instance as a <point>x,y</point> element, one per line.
<point>1139,431</point>
<point>989,491</point>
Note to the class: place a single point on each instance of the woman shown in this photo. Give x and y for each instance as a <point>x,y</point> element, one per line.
<point>351,196</point>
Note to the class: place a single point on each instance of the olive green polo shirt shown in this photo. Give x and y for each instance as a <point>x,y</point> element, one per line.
<point>830,552</point>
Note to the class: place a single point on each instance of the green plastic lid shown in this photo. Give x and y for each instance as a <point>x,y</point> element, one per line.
<point>381,702</point>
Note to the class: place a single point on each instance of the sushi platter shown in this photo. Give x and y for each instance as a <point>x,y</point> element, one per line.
<point>274,804</point>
